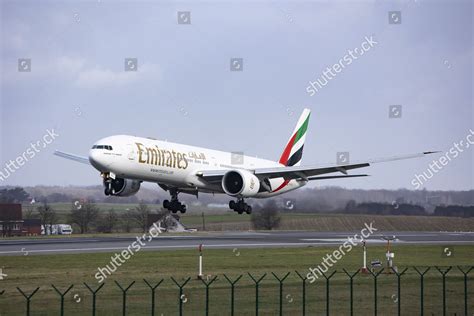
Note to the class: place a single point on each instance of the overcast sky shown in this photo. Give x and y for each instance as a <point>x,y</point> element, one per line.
<point>184,90</point>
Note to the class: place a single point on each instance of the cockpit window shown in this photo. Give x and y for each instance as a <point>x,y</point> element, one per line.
<point>107,147</point>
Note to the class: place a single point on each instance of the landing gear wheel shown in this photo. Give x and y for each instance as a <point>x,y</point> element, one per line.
<point>248,209</point>
<point>174,205</point>
<point>240,206</point>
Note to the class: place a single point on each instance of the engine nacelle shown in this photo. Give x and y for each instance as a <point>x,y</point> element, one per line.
<point>124,187</point>
<point>240,183</point>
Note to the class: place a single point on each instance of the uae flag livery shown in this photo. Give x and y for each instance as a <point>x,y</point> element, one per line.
<point>293,152</point>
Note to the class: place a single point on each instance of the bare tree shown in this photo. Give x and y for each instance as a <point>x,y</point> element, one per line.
<point>267,218</point>
<point>127,221</point>
<point>84,216</point>
<point>29,212</point>
<point>47,216</point>
<point>109,221</point>
<point>140,216</point>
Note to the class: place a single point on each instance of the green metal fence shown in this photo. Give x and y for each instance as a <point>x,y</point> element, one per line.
<point>150,292</point>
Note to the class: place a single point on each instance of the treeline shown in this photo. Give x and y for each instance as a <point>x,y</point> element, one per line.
<point>373,208</point>
<point>86,218</point>
<point>455,211</point>
<point>407,209</point>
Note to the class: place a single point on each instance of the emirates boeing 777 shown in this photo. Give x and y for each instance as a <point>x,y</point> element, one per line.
<point>124,162</point>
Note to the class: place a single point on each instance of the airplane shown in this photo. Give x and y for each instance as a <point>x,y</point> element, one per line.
<point>124,162</point>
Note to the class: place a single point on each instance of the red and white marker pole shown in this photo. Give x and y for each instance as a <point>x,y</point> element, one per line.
<point>200,261</point>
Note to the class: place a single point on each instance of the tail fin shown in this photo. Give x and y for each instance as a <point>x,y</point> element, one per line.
<point>293,152</point>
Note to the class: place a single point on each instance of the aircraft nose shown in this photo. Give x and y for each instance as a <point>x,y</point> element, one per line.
<point>98,159</point>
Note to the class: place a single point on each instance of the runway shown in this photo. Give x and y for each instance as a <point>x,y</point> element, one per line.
<point>219,240</point>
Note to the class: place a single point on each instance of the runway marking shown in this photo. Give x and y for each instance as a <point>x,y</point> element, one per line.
<point>342,240</point>
<point>226,246</point>
<point>157,247</point>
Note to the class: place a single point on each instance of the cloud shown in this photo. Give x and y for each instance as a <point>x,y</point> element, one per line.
<point>76,71</point>
<point>101,77</point>
<point>69,65</point>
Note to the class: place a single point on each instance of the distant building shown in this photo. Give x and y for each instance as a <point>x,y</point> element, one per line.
<point>11,220</point>
<point>31,227</point>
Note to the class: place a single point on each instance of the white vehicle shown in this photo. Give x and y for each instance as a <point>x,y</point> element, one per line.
<point>64,229</point>
<point>59,229</point>
<point>124,162</point>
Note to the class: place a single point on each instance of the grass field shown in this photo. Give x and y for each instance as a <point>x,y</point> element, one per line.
<point>27,272</point>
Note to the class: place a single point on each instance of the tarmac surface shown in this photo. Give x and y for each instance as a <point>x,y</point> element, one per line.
<point>222,240</point>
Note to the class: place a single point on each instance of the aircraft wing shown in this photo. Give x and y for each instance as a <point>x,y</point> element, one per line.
<point>305,172</point>
<point>69,156</point>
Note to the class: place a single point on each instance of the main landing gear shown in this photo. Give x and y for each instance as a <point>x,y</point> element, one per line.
<point>174,205</point>
<point>240,206</point>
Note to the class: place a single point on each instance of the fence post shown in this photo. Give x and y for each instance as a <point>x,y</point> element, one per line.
<point>124,296</point>
<point>62,296</point>
<point>232,291</point>
<point>257,283</point>
<point>422,274</point>
<point>443,273</point>
<point>327,289</point>
<point>207,284</point>
<point>281,289</point>
<point>465,273</point>
<point>181,286</point>
<point>153,288</point>
<point>399,295</point>
<point>375,275</point>
<point>351,287</point>
<point>93,295</point>
<point>28,299</point>
<point>303,279</point>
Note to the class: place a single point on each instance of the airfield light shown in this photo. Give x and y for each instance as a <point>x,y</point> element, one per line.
<point>364,266</point>
<point>200,262</point>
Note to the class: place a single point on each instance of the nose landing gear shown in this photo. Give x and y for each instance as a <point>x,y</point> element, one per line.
<point>108,189</point>
<point>174,205</point>
<point>240,206</point>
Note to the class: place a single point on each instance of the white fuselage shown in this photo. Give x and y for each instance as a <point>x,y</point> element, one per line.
<point>176,165</point>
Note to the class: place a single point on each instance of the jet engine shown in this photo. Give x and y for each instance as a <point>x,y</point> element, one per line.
<point>121,187</point>
<point>240,183</point>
